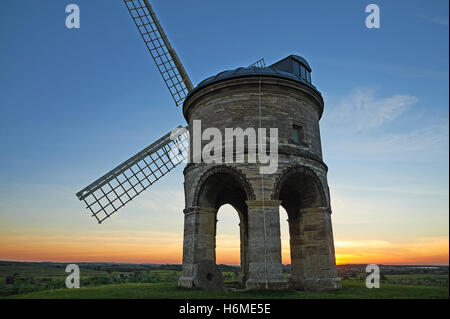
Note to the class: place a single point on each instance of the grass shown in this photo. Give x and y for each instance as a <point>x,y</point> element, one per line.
<point>352,289</point>
<point>47,280</point>
<point>418,276</point>
<point>16,279</point>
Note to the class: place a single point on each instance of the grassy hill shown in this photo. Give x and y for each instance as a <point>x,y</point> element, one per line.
<point>103,280</point>
<point>352,289</point>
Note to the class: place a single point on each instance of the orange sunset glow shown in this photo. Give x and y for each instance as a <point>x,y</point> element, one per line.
<point>166,248</point>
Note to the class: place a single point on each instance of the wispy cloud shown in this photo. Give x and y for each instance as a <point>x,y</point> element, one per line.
<point>366,125</point>
<point>429,143</point>
<point>361,110</point>
<point>435,20</point>
<point>428,138</point>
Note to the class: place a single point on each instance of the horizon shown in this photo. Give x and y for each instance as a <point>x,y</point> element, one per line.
<point>180,264</point>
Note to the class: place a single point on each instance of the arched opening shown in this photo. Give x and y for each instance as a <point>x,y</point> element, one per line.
<point>284,232</point>
<point>298,189</point>
<point>228,243</point>
<point>285,245</point>
<point>223,192</point>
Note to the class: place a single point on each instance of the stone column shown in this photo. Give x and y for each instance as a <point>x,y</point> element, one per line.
<point>264,249</point>
<point>199,240</point>
<point>295,241</point>
<point>244,251</point>
<point>319,263</point>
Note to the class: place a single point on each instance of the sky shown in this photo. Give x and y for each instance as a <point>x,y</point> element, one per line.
<point>74,103</point>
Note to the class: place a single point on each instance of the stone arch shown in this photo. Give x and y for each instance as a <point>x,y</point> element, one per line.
<point>237,176</point>
<point>312,188</point>
<point>222,185</point>
<point>302,194</point>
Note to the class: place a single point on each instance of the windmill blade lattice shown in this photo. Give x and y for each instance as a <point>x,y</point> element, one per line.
<point>259,64</point>
<point>119,186</point>
<point>165,57</point>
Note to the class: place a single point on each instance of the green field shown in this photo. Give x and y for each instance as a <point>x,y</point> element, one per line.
<point>352,289</point>
<point>47,280</point>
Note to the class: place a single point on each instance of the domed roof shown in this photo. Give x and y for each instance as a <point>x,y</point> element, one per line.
<point>252,71</point>
<point>272,71</point>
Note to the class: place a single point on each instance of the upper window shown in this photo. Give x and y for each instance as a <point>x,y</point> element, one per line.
<point>298,134</point>
<point>308,77</point>
<point>296,68</point>
<point>303,72</point>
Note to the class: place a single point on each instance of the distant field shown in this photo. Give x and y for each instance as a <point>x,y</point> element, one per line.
<point>30,271</point>
<point>352,289</point>
<point>32,277</point>
<point>47,280</point>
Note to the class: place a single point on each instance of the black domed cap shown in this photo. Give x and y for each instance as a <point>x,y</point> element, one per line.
<point>279,69</point>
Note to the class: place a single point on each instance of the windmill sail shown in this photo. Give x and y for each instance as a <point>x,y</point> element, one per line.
<point>119,186</point>
<point>165,57</point>
<point>259,64</point>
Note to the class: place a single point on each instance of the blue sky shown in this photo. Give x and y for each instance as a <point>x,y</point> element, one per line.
<point>76,103</point>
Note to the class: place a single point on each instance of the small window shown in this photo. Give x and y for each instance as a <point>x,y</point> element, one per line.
<point>297,68</point>
<point>303,70</point>
<point>298,134</point>
<point>308,77</point>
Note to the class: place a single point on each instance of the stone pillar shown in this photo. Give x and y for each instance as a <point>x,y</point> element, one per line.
<point>295,241</point>
<point>264,250</point>
<point>244,251</point>
<point>199,241</point>
<point>317,247</point>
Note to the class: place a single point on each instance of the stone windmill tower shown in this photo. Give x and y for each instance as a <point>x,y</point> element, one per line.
<point>281,97</point>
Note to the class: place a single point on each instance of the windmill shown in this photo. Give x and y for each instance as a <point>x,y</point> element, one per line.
<point>123,183</point>
<point>285,94</point>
